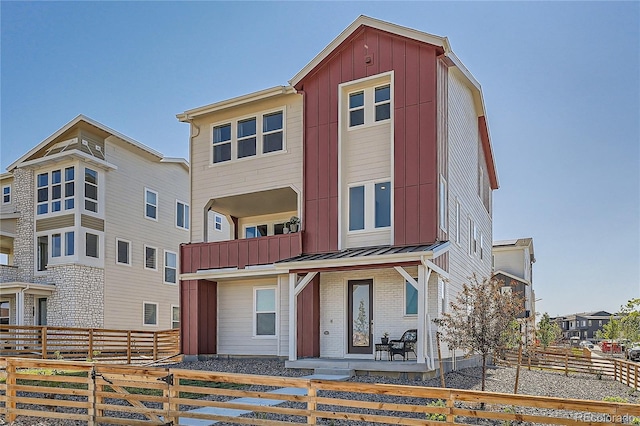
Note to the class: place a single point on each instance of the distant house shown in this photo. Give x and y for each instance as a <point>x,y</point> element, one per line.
<point>380,146</point>
<point>583,325</point>
<point>513,266</point>
<point>90,227</point>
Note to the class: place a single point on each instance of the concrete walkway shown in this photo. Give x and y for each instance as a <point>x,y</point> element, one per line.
<point>254,401</point>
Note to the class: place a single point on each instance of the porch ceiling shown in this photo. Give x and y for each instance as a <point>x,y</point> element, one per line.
<point>257,203</point>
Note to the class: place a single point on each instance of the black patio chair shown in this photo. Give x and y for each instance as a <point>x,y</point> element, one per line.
<point>404,345</point>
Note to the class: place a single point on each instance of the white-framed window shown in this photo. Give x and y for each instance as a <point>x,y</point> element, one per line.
<point>54,191</point>
<point>150,204</point>
<point>264,312</point>
<point>6,194</point>
<point>69,187</point>
<point>42,197</point>
<point>92,242</point>
<point>69,243</point>
<point>149,313</point>
<point>53,246</point>
<point>182,214</point>
<point>471,228</point>
<point>481,250</point>
<point>170,267</point>
<point>369,105</point>
<point>90,190</point>
<point>442,204</point>
<point>382,102</point>
<point>370,206</point>
<point>251,136</point>
<point>150,258</point>
<point>356,108</point>
<point>410,299</point>
<point>123,252</point>
<point>255,231</point>
<point>175,316</point>
<point>56,245</point>
<point>5,312</point>
<point>475,239</point>
<point>458,222</point>
<point>218,222</point>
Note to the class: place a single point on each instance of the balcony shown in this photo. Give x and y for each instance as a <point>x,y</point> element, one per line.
<point>239,253</point>
<point>8,274</point>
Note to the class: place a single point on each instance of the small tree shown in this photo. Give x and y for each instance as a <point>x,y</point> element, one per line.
<point>479,318</point>
<point>630,320</point>
<point>610,331</point>
<point>548,331</point>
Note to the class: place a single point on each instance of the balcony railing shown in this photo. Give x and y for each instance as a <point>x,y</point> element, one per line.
<point>239,253</point>
<point>8,274</point>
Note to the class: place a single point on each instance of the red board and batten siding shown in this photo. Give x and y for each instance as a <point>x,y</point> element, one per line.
<point>198,316</point>
<point>415,135</point>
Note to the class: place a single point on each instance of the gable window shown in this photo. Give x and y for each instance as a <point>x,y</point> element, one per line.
<point>150,204</point>
<point>442,204</point>
<point>265,311</point>
<point>56,245</point>
<point>6,194</point>
<point>150,258</point>
<point>43,252</point>
<point>222,143</point>
<point>218,222</point>
<point>91,190</point>
<point>272,132</point>
<point>247,138</point>
<point>150,313</point>
<point>69,188</point>
<point>457,221</point>
<point>410,299</point>
<point>170,267</point>
<point>370,206</point>
<point>182,215</point>
<point>382,102</point>
<point>123,252</point>
<point>356,109</point>
<point>175,316</point>
<point>91,245</point>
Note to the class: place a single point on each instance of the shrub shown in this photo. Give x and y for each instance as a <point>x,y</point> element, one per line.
<point>437,416</point>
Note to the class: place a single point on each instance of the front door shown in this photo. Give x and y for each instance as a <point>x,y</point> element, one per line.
<point>42,311</point>
<point>360,316</point>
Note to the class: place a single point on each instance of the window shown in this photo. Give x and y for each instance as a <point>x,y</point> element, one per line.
<point>69,188</point>
<point>150,313</point>
<point>356,208</point>
<point>123,252</point>
<point>43,193</point>
<point>56,191</point>
<point>383,204</point>
<point>272,132</point>
<point>43,252</point>
<point>175,316</point>
<point>410,299</point>
<point>457,221</point>
<point>6,194</point>
<point>170,267</point>
<point>265,311</point>
<point>590,323</point>
<point>91,245</point>
<point>150,204</point>
<point>481,245</point>
<point>182,215</point>
<point>91,190</point>
<point>507,290</point>
<point>356,109</point>
<point>5,312</point>
<point>69,243</point>
<point>150,258</point>
<point>382,102</point>
<point>475,239</point>
<point>246,138</point>
<point>218,223</point>
<point>255,231</point>
<point>443,296</point>
<point>471,227</point>
<point>56,245</point>
<point>222,143</point>
<point>442,204</point>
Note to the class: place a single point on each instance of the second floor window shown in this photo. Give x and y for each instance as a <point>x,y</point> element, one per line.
<point>370,197</point>
<point>91,190</point>
<point>356,109</point>
<point>150,204</point>
<point>55,191</point>
<point>6,194</point>
<point>218,220</point>
<point>150,258</point>
<point>182,215</point>
<point>91,245</point>
<point>382,102</point>
<point>369,106</point>
<point>170,267</point>
<point>246,138</point>
<point>222,143</point>
<point>123,252</point>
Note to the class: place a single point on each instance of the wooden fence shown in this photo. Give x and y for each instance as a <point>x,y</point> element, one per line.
<point>88,343</point>
<point>118,394</point>
<point>578,361</point>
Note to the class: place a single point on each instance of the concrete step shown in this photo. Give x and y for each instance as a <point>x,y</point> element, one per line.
<point>339,373</point>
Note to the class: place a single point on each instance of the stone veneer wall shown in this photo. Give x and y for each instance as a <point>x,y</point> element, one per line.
<point>79,297</point>
<point>8,274</point>
<point>29,309</point>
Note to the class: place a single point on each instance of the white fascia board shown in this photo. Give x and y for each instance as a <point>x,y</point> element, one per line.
<point>232,273</point>
<point>513,277</point>
<point>230,103</point>
<point>176,160</point>
<point>72,123</point>
<point>356,261</point>
<point>373,23</point>
<point>60,156</point>
<point>30,288</point>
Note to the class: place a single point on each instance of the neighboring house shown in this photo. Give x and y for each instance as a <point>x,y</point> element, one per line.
<point>513,266</point>
<point>583,325</point>
<point>380,146</point>
<point>91,225</point>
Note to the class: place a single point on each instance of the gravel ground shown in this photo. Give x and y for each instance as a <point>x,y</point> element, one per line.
<point>499,379</point>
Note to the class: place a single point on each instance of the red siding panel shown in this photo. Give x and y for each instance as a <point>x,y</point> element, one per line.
<point>311,170</point>
<point>411,161</point>
<point>429,213</point>
<point>428,75</point>
<point>412,82</point>
<point>428,151</point>
<point>385,52</point>
<point>399,220</point>
<point>323,160</point>
<point>412,215</point>
<point>243,252</point>
<point>398,148</point>
<point>185,259</point>
<point>323,221</point>
<point>399,68</point>
<point>263,251</point>
<point>323,95</point>
<point>308,313</point>
<point>311,103</point>
<point>214,256</point>
<point>311,229</point>
<point>333,159</point>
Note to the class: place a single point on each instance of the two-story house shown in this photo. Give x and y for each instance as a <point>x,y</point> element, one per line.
<point>380,146</point>
<point>513,266</point>
<point>90,230</point>
<point>583,325</point>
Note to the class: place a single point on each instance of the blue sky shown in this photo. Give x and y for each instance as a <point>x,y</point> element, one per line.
<point>561,84</point>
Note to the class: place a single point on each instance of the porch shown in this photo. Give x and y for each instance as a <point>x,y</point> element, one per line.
<point>365,367</point>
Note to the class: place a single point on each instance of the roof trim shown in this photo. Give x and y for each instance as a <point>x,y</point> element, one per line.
<point>373,23</point>
<point>238,100</point>
<point>513,277</point>
<point>71,153</point>
<point>93,122</point>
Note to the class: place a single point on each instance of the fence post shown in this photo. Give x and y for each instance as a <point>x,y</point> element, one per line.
<point>128,346</point>
<point>155,346</point>
<point>91,397</point>
<point>635,377</point>
<point>43,342</point>
<point>311,403</point>
<point>171,394</point>
<point>11,391</point>
<point>450,405</point>
<point>90,354</point>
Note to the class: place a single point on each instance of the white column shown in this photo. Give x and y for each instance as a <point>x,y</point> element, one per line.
<point>293,318</point>
<point>423,277</point>
<point>19,308</point>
